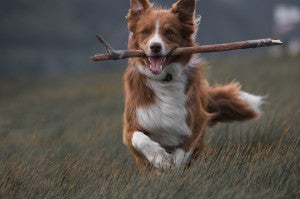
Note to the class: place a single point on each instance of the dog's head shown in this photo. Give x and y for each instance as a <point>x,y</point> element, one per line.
<point>157,32</point>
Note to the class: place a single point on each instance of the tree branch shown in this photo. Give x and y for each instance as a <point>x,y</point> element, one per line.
<point>109,49</point>
<point>112,54</point>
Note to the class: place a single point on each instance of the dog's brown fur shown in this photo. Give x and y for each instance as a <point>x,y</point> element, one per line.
<point>205,105</point>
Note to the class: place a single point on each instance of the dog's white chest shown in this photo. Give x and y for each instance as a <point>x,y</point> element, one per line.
<point>166,119</point>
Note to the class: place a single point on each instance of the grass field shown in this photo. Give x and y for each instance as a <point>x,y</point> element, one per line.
<point>62,138</point>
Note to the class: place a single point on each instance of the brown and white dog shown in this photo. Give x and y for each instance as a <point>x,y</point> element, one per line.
<point>169,103</point>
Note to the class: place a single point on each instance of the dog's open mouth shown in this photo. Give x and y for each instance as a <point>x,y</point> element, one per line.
<point>156,63</point>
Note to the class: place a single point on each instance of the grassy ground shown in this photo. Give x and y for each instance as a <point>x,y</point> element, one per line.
<point>61,138</point>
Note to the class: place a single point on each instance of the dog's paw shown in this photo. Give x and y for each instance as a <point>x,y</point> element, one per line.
<point>181,157</point>
<point>162,159</point>
<point>154,153</point>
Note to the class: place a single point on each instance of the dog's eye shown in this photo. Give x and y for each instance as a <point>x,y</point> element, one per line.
<point>169,32</point>
<point>145,31</point>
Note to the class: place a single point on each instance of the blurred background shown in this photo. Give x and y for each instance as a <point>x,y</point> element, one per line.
<point>58,37</point>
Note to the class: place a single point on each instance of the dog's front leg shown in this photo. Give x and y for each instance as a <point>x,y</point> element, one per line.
<point>154,153</point>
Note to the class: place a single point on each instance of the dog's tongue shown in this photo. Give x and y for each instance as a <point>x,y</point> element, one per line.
<point>156,64</point>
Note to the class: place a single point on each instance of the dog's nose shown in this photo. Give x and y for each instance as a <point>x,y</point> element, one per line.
<point>156,47</point>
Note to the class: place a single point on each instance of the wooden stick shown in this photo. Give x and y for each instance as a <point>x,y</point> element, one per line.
<point>112,54</point>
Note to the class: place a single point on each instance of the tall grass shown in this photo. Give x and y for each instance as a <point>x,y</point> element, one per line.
<point>61,138</point>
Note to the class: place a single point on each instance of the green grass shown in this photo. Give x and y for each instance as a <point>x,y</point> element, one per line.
<point>62,138</point>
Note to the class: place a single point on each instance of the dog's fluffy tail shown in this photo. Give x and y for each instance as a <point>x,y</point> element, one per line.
<point>228,103</point>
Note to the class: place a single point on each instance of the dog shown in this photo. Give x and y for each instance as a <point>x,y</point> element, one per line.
<point>168,102</point>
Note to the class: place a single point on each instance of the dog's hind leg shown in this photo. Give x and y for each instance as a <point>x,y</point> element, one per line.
<point>228,103</point>
<point>152,151</point>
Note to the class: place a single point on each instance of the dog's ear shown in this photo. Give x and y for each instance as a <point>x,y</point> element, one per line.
<point>138,6</point>
<point>185,9</point>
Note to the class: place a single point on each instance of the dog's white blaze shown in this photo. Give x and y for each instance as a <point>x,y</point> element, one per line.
<point>156,39</point>
<point>165,120</point>
<point>154,153</point>
<point>254,101</point>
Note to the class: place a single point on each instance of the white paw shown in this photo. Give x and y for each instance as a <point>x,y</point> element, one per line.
<point>162,160</point>
<point>154,153</point>
<point>181,157</point>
